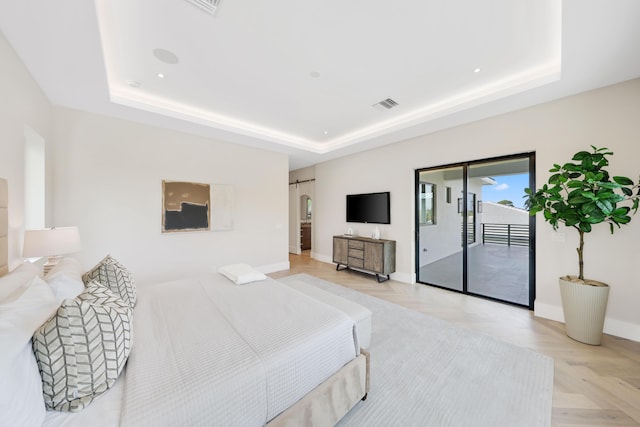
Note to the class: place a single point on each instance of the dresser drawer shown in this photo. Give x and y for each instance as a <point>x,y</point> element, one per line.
<point>356,253</point>
<point>356,244</point>
<point>356,262</point>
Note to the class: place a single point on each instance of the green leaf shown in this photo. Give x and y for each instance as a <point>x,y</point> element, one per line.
<point>554,179</point>
<point>608,185</point>
<point>598,216</point>
<point>587,208</point>
<point>581,155</point>
<point>623,180</point>
<point>621,211</point>
<point>605,206</point>
<point>585,226</point>
<point>594,219</point>
<point>577,199</point>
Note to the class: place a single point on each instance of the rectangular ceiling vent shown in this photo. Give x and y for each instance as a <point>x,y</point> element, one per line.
<point>208,6</point>
<point>385,104</point>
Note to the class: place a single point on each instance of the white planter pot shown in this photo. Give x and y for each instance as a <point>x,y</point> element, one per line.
<point>584,307</point>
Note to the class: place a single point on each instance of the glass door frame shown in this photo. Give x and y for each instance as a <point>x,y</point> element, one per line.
<point>465,205</point>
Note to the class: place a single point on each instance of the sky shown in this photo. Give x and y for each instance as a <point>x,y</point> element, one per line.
<point>507,187</point>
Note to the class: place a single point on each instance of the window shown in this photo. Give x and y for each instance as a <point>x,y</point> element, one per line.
<point>34,179</point>
<point>427,203</point>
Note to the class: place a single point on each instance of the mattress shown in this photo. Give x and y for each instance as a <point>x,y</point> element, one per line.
<point>207,351</point>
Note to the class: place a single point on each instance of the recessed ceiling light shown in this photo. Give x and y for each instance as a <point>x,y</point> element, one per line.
<point>326,132</point>
<point>133,83</point>
<point>477,70</point>
<point>314,74</point>
<point>160,76</point>
<point>165,56</point>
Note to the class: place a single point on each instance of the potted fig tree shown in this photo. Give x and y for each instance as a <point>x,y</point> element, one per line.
<point>581,194</point>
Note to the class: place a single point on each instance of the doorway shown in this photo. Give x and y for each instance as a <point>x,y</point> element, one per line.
<point>474,235</point>
<point>305,222</point>
<point>301,206</point>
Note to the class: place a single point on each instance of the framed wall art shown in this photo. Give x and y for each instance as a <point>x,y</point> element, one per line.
<point>185,206</point>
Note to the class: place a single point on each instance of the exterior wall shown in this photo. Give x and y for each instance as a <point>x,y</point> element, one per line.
<point>494,213</point>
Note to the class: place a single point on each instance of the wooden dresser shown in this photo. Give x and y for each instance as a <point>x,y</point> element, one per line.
<point>377,256</point>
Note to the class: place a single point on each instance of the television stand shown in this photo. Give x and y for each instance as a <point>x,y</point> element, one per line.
<point>376,256</point>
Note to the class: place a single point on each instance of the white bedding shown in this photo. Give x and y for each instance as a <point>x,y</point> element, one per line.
<point>206,352</point>
<point>102,412</point>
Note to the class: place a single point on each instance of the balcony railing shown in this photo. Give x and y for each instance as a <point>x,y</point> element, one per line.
<point>505,234</point>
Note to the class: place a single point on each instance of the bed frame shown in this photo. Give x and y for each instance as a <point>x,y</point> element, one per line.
<point>330,401</point>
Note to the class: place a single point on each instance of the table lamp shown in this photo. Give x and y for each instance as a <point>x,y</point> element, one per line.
<point>52,243</point>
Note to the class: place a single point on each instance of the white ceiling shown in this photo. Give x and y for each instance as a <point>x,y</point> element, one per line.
<point>301,77</point>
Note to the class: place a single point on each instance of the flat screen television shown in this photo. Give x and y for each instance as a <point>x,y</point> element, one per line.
<point>374,208</point>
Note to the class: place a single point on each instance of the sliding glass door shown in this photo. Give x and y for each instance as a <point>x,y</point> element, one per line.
<point>440,219</point>
<point>473,234</point>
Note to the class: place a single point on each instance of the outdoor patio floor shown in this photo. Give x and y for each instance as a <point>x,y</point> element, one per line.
<point>496,271</point>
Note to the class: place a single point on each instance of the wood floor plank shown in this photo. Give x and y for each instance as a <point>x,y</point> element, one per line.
<point>593,385</point>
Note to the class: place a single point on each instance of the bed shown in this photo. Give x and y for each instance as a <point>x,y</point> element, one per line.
<point>248,364</point>
<point>200,351</point>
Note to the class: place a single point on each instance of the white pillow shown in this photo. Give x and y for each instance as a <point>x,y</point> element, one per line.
<point>65,279</point>
<point>27,303</point>
<point>21,401</point>
<point>21,316</point>
<point>13,284</point>
<point>241,273</point>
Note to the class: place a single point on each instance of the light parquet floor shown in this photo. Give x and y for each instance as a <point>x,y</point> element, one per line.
<point>593,385</point>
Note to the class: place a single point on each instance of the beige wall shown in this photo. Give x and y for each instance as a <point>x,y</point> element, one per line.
<point>22,103</point>
<point>606,117</point>
<point>108,181</point>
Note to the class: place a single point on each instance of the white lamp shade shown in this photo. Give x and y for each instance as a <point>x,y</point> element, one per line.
<point>51,241</point>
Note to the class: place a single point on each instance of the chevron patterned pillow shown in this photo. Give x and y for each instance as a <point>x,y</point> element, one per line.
<point>115,276</point>
<point>82,349</point>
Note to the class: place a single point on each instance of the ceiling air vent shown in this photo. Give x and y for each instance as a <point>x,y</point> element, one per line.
<point>208,6</point>
<point>385,104</point>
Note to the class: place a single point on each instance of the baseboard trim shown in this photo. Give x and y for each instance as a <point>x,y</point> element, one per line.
<point>613,327</point>
<point>294,250</point>
<point>322,258</point>
<point>548,311</point>
<point>398,277</point>
<point>272,268</point>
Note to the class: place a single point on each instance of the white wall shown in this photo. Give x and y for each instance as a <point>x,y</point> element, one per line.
<point>495,213</point>
<point>22,103</point>
<point>108,181</point>
<point>555,131</point>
